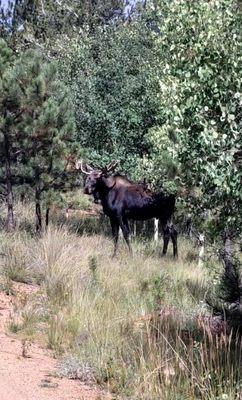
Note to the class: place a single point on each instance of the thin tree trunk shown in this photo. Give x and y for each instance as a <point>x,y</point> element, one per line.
<point>156,230</point>
<point>135,228</point>
<point>47,215</point>
<point>120,233</point>
<point>22,198</point>
<point>38,216</point>
<point>143,228</point>
<point>189,226</point>
<point>10,224</point>
<point>201,242</point>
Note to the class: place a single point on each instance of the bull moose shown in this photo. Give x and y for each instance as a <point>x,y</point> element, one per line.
<point>123,199</point>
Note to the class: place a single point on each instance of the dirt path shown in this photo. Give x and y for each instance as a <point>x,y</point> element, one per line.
<point>32,378</point>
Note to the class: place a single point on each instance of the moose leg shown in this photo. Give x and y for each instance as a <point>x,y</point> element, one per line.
<point>125,229</point>
<point>115,229</point>
<point>174,241</point>
<point>166,237</point>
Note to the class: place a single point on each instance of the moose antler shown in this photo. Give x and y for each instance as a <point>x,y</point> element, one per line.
<point>111,166</point>
<point>79,165</point>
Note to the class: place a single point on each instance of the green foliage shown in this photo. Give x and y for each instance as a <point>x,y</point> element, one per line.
<point>225,299</point>
<point>201,100</point>
<point>9,97</point>
<point>116,91</point>
<point>48,123</point>
<point>29,23</point>
<point>38,124</point>
<point>161,93</point>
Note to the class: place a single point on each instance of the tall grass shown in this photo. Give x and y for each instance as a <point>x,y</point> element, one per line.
<point>135,322</point>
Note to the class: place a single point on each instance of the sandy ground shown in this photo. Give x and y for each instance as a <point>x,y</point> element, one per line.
<point>33,377</point>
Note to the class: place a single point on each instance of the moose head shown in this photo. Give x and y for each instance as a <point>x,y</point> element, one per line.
<point>96,176</point>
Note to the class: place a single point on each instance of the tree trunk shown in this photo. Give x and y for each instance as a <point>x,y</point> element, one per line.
<point>189,226</point>
<point>47,214</point>
<point>38,216</point>
<point>156,230</point>
<point>143,228</point>
<point>135,229</point>
<point>201,240</point>
<point>10,224</point>
<point>22,198</point>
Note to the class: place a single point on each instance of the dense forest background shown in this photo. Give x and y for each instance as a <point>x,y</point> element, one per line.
<point>154,84</point>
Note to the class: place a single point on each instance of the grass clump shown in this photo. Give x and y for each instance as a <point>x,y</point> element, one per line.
<point>14,262</point>
<point>14,327</point>
<point>6,286</point>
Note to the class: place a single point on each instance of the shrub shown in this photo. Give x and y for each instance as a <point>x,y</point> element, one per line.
<point>72,368</point>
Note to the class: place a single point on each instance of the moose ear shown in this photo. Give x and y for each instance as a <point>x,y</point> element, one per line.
<point>109,182</point>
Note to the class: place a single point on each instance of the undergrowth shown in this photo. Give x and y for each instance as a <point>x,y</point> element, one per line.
<point>136,325</point>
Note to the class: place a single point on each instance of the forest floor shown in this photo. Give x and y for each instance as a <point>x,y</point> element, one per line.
<point>27,370</point>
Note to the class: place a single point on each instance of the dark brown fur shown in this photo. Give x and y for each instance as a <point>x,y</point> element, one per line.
<point>123,199</point>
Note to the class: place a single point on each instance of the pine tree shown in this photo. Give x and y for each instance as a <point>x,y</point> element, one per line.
<point>9,102</point>
<point>37,128</point>
<point>47,126</point>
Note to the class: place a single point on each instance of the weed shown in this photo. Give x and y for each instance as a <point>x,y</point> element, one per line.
<point>55,334</point>
<point>14,327</point>
<point>92,264</point>
<point>6,286</point>
<point>72,368</point>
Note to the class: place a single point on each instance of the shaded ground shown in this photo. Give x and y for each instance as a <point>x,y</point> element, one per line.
<point>31,376</point>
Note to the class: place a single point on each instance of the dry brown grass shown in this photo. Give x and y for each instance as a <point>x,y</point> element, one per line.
<point>105,314</point>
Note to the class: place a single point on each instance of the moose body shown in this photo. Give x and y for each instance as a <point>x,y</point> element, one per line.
<point>123,200</point>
